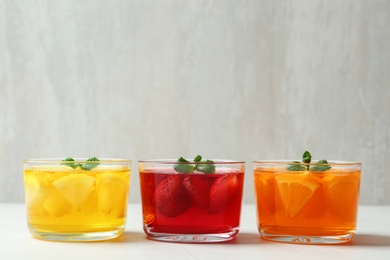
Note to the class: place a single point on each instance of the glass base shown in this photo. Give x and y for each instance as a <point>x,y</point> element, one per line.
<point>337,239</point>
<point>77,236</point>
<point>192,238</point>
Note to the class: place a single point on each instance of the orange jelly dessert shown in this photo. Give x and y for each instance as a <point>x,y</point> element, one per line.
<point>307,206</point>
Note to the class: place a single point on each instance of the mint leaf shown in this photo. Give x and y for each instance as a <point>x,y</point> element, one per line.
<point>321,167</point>
<point>91,163</point>
<point>295,166</point>
<point>206,168</point>
<point>70,162</point>
<point>306,157</point>
<point>181,159</point>
<point>198,158</point>
<point>184,168</point>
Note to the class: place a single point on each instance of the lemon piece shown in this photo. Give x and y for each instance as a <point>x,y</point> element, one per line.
<point>91,204</point>
<point>295,191</point>
<point>56,204</point>
<point>31,188</point>
<point>35,192</point>
<point>112,191</point>
<point>75,188</point>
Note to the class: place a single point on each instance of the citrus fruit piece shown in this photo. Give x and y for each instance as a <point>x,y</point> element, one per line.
<point>75,188</point>
<point>35,192</point>
<point>56,204</point>
<point>91,204</point>
<point>265,191</point>
<point>340,191</point>
<point>111,189</point>
<point>295,191</point>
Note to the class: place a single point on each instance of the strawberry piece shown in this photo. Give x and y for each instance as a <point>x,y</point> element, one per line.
<point>224,190</point>
<point>199,189</point>
<point>172,199</point>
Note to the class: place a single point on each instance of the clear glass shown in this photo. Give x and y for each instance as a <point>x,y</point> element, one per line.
<point>307,206</point>
<point>76,204</point>
<point>191,207</point>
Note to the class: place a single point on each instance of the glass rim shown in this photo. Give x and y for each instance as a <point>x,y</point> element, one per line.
<point>53,160</point>
<point>314,162</point>
<point>174,161</point>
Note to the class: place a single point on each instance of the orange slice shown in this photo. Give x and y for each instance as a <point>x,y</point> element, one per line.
<point>265,190</point>
<point>295,191</point>
<point>341,190</point>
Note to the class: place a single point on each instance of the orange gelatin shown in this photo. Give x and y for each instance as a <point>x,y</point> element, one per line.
<point>307,203</point>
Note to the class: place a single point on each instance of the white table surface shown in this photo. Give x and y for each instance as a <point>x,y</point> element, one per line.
<point>372,241</point>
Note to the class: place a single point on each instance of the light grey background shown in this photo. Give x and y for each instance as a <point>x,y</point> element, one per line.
<point>248,80</point>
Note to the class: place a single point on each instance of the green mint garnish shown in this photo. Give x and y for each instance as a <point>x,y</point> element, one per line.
<point>295,166</point>
<point>88,165</point>
<point>205,166</point>
<point>322,166</point>
<point>306,157</point>
<point>91,163</point>
<point>198,158</point>
<point>70,162</point>
<point>185,168</point>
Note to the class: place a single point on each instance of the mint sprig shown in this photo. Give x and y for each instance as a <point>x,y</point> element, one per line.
<point>70,162</point>
<point>198,158</point>
<point>306,157</point>
<point>90,163</point>
<point>209,167</point>
<point>185,166</point>
<point>321,165</point>
<point>295,166</point>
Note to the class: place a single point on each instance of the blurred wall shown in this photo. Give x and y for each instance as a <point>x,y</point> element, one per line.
<point>249,80</point>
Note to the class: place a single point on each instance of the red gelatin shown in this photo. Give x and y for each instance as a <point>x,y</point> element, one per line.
<point>204,206</point>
